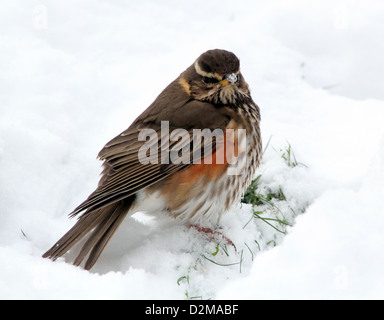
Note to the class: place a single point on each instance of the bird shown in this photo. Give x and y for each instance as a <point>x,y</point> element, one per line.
<point>211,95</point>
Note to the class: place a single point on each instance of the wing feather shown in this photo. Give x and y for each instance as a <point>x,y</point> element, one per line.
<point>124,175</point>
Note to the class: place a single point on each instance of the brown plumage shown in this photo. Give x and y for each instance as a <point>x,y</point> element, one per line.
<point>210,94</point>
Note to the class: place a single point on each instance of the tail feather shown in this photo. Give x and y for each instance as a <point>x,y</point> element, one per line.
<point>100,236</point>
<point>100,223</point>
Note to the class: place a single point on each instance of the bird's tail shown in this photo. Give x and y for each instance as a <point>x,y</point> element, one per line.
<point>100,224</point>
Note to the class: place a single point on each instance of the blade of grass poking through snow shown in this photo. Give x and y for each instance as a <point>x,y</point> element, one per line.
<point>225,251</point>
<point>183,278</point>
<point>290,158</point>
<point>266,220</point>
<point>241,259</point>
<point>216,251</point>
<point>25,236</point>
<point>252,217</point>
<point>266,146</point>
<point>251,195</point>
<point>220,264</point>
<point>249,249</point>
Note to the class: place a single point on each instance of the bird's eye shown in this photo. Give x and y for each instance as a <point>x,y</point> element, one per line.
<point>210,80</point>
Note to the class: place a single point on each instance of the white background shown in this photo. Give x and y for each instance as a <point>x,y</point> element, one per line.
<point>75,74</point>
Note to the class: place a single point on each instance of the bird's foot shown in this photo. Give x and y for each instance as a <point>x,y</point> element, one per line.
<point>213,234</point>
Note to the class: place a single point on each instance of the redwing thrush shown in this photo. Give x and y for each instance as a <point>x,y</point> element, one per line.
<point>211,94</point>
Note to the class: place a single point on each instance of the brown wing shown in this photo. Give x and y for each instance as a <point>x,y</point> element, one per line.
<point>124,174</point>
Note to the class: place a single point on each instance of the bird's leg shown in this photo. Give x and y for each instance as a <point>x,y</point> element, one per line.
<point>213,233</point>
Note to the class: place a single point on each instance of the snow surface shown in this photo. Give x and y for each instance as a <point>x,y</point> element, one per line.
<point>75,74</point>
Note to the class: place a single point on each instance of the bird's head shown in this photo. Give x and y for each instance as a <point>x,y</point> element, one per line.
<point>215,77</point>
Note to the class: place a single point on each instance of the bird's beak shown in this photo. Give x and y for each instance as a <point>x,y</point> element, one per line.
<point>224,82</point>
<point>229,79</point>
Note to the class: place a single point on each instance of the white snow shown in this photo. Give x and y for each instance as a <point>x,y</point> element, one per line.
<point>75,74</point>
